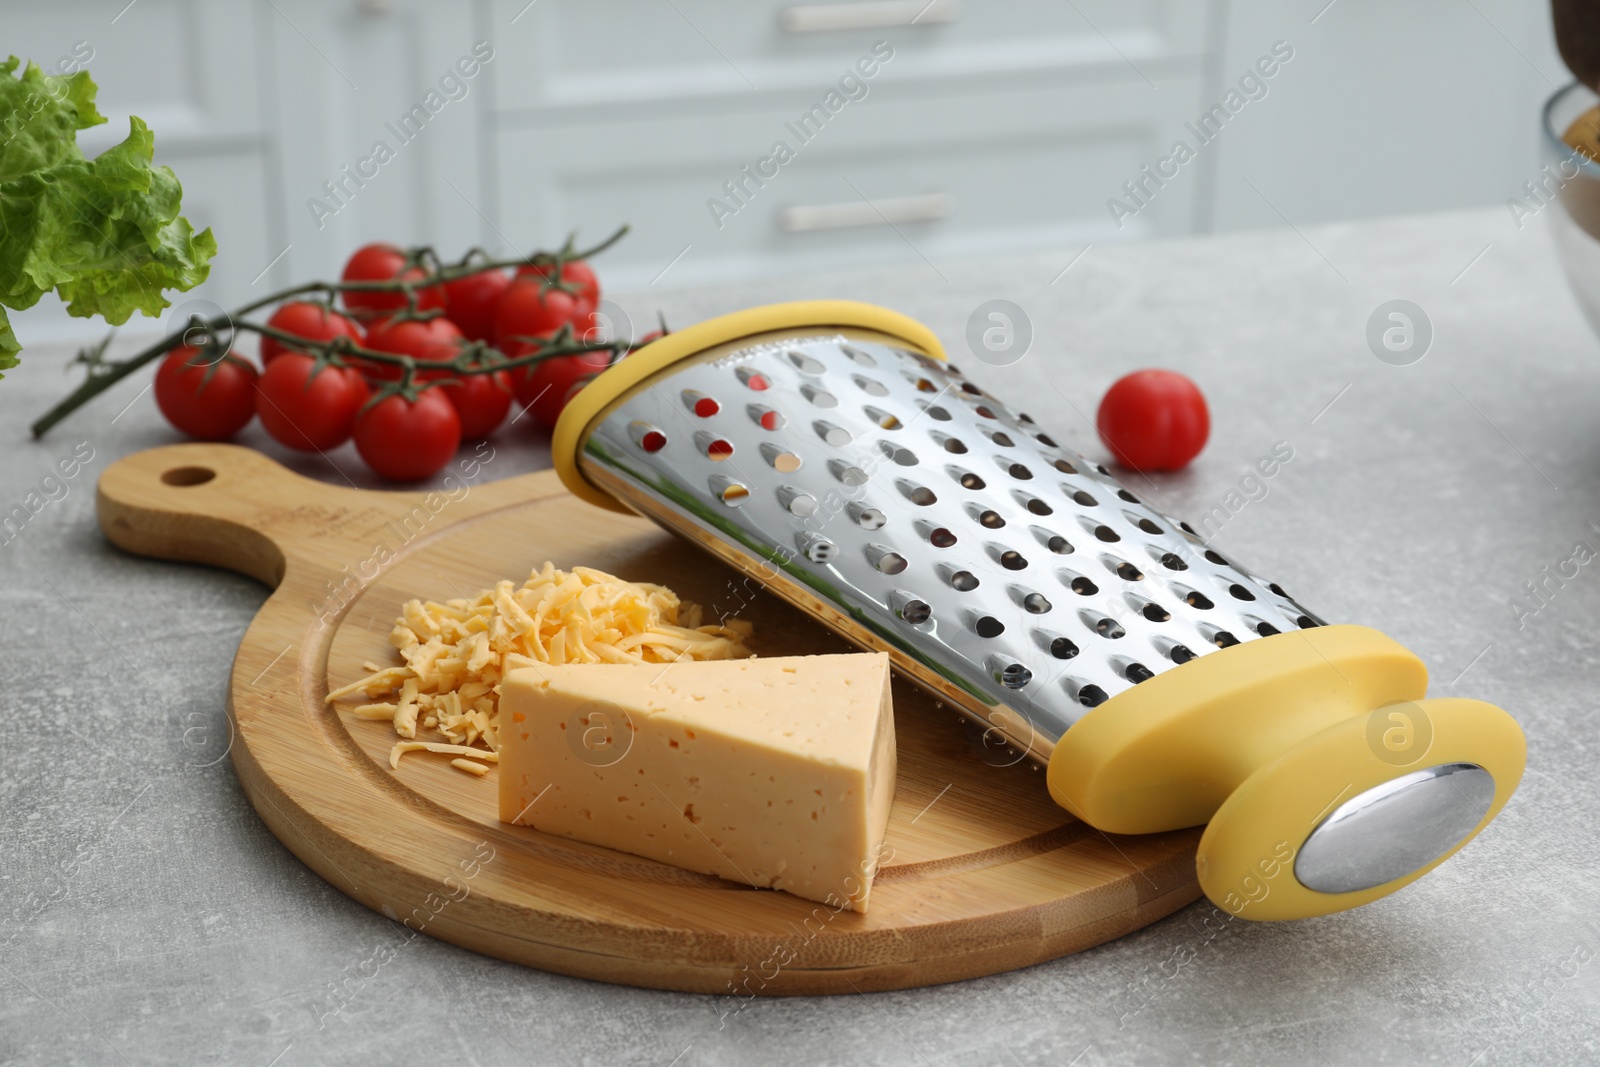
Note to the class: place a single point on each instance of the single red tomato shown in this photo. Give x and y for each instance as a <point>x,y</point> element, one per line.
<point>470,302</point>
<point>314,322</point>
<point>306,411</point>
<point>525,311</point>
<point>381,263</point>
<point>424,340</point>
<point>211,410</point>
<point>1154,420</point>
<point>575,272</point>
<point>405,441</point>
<point>546,387</point>
<point>482,401</point>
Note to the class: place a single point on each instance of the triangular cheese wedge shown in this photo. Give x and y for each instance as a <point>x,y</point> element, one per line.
<point>771,772</point>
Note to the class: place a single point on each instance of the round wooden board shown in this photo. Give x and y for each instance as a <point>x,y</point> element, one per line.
<point>986,874</point>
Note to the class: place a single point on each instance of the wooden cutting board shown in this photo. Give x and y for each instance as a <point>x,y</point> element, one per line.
<point>986,873</point>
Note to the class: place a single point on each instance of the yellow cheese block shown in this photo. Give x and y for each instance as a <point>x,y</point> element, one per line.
<point>771,772</point>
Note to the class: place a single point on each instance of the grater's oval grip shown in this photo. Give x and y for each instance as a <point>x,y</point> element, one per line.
<point>828,450</point>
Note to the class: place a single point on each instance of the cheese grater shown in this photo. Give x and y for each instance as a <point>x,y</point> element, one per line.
<point>830,452</point>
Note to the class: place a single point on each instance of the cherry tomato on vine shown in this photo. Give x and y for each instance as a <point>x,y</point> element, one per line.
<point>546,387</point>
<point>211,410</point>
<point>470,302</point>
<point>575,272</point>
<point>525,310</point>
<point>1154,420</point>
<point>405,441</point>
<point>425,340</point>
<point>481,400</point>
<point>381,263</point>
<point>310,413</point>
<point>314,322</point>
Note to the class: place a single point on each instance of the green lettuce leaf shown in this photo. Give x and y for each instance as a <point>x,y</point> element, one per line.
<point>104,233</point>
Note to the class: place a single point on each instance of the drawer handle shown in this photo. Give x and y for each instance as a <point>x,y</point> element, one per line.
<point>926,207</point>
<point>868,15</point>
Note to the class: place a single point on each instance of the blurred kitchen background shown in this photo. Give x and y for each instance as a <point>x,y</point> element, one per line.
<point>993,126</point>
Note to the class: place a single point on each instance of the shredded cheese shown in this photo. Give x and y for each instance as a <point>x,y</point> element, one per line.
<point>456,652</point>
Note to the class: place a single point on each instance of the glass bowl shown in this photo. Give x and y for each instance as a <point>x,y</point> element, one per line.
<point>1572,180</point>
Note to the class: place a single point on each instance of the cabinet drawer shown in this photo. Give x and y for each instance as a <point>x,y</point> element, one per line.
<point>970,175</point>
<point>600,53</point>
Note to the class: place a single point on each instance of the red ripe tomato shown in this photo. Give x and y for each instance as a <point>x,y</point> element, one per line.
<point>425,340</point>
<point>470,302</point>
<point>405,441</point>
<point>314,322</point>
<point>545,388</point>
<point>212,410</point>
<point>310,413</point>
<point>524,311</point>
<point>481,401</point>
<point>380,263</point>
<point>1154,420</point>
<point>575,272</point>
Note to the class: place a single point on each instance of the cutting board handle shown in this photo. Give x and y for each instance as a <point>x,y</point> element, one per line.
<point>205,503</point>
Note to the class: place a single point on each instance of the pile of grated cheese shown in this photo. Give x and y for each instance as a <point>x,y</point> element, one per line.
<point>457,652</point>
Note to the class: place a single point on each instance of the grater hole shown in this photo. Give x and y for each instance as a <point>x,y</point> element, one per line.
<point>1036,604</point>
<point>1012,560</point>
<point>999,437</point>
<point>1144,524</point>
<point>647,437</point>
<point>971,389</point>
<point>985,411</point>
<point>753,380</point>
<point>868,518</point>
<point>1155,612</point>
<point>820,397</point>
<point>964,581</point>
<point>967,479</point>
<point>886,561</point>
<point>1106,533</point>
<point>955,446</point>
<point>1276,588</point>
<point>1084,499</point>
<point>919,495</point>
<point>1173,562</point>
<point>989,626</point>
<point>1050,442</point>
<point>1091,696</point>
<point>941,538</point>
<point>1217,557</point>
<point>1123,569</point>
<point>1223,639</point>
<point>1061,648</point>
<point>1129,497</point>
<point>702,405</point>
<point>730,492</point>
<point>804,363</point>
<point>848,474</point>
<point>1038,507</point>
<point>936,412</point>
<point>817,549</point>
<point>1239,592</point>
<point>1059,545</point>
<point>882,418</point>
<point>923,385</point>
<point>1196,599</point>
<point>766,418</point>
<point>1101,467</point>
<point>1180,654</point>
<point>1266,629</point>
<point>1023,416</point>
<point>779,460</point>
<point>1064,467</point>
<point>797,502</point>
<point>991,520</point>
<point>1015,676</point>
<point>901,455</point>
<point>1082,586</point>
<point>870,386</point>
<point>1108,628</point>
<point>1306,622</point>
<point>1137,672</point>
<point>916,612</point>
<point>1019,472</point>
<point>837,436</point>
<point>1186,528</point>
<point>858,355</point>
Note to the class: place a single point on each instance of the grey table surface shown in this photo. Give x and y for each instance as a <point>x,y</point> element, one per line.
<point>151,918</point>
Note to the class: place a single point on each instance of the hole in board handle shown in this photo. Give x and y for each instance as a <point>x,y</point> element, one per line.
<point>184,477</point>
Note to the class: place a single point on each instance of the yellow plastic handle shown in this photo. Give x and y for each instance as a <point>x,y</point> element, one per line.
<point>1315,734</point>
